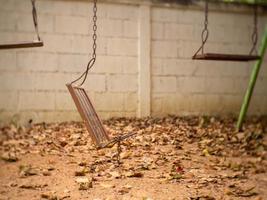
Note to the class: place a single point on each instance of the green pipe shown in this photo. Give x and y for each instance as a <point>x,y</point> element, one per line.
<point>252,82</point>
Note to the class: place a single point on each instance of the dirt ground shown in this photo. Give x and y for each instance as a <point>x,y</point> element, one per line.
<point>169,159</point>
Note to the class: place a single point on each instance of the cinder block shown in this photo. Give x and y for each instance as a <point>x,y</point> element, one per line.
<point>46,116</point>
<point>164,84</point>
<point>64,102</point>
<point>7,60</point>
<point>64,8</point>
<point>156,107</point>
<point>53,81</point>
<point>241,85</point>
<point>214,104</point>
<point>72,62</point>
<point>130,114</point>
<point>157,31</point>
<point>24,23</point>
<point>188,48</point>
<point>57,43</point>
<point>190,85</point>
<point>178,67</point>
<point>8,20</point>
<point>8,36</point>
<point>156,66</point>
<point>164,49</point>
<point>34,61</point>
<point>189,16</point>
<point>110,27</point>
<point>263,70</point>
<point>174,31</point>
<point>95,82</point>
<point>221,85</point>
<point>71,25</point>
<point>16,81</point>
<point>122,83</point>
<point>260,87</point>
<point>196,103</point>
<point>109,101</point>
<point>169,104</point>
<point>9,101</point>
<point>221,69</point>
<point>231,103</point>
<point>82,44</point>
<point>125,47</point>
<point>46,23</point>
<point>129,65</point>
<point>130,29</point>
<point>36,101</point>
<point>130,102</point>
<point>5,117</point>
<point>119,11</point>
<point>164,15</point>
<point>108,64</point>
<point>15,5</point>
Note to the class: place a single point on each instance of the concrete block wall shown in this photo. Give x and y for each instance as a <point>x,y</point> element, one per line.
<point>143,60</point>
<point>33,80</point>
<point>182,86</point>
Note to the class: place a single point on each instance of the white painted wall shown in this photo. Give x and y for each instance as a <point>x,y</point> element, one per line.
<point>143,65</point>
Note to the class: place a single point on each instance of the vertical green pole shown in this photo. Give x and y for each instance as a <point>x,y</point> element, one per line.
<point>252,81</point>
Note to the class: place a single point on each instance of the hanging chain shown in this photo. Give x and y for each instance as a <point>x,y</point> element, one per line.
<point>205,32</point>
<point>254,36</point>
<point>35,21</point>
<point>93,59</point>
<point>118,158</point>
<point>94,29</point>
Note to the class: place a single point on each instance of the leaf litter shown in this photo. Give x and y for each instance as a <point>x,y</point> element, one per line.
<point>196,153</point>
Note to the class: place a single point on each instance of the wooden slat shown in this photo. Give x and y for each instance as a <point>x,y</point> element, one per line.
<point>225,57</point>
<point>22,45</point>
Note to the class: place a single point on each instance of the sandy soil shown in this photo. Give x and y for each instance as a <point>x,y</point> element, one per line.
<point>170,158</point>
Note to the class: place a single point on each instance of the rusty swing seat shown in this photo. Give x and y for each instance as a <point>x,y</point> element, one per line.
<point>27,44</point>
<point>92,121</point>
<point>38,43</point>
<point>226,57</point>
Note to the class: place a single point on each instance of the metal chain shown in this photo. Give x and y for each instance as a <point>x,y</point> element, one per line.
<point>35,21</point>
<point>205,32</point>
<point>119,153</point>
<point>93,59</point>
<point>254,36</point>
<point>94,29</point>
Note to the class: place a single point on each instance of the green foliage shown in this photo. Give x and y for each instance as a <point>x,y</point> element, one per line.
<point>259,2</point>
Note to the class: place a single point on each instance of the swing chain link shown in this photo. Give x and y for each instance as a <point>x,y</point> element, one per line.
<point>254,36</point>
<point>35,21</point>
<point>94,29</point>
<point>119,150</point>
<point>205,31</point>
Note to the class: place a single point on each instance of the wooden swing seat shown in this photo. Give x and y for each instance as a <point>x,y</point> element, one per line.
<point>225,57</point>
<point>22,45</point>
<point>93,123</point>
